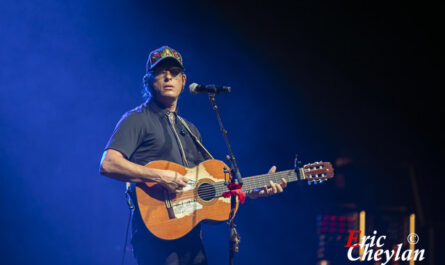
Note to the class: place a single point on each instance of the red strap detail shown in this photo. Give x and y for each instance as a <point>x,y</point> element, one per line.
<point>235,189</point>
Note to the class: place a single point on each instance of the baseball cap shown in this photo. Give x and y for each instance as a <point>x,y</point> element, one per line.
<point>161,54</point>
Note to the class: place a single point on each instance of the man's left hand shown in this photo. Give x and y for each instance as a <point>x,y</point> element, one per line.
<point>273,188</point>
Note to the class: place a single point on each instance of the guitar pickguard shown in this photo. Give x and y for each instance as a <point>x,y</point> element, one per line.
<point>186,207</point>
<point>191,184</point>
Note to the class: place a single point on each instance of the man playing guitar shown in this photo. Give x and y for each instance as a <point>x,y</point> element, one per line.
<point>154,131</point>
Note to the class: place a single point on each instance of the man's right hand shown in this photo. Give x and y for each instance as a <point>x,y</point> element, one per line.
<point>172,180</point>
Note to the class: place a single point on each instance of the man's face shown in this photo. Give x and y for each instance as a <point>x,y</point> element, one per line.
<point>169,80</point>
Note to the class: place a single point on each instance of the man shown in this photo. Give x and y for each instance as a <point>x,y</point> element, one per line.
<point>154,131</point>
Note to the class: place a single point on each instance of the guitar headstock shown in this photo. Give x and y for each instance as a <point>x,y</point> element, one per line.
<point>317,172</point>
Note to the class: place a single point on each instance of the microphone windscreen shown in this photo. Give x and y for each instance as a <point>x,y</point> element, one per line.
<point>193,87</point>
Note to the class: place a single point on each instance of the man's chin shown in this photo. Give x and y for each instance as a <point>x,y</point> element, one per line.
<point>168,96</point>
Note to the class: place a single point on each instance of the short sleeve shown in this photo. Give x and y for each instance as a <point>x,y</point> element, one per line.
<point>128,134</point>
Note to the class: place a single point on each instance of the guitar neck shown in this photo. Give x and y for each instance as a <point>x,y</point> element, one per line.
<point>259,181</point>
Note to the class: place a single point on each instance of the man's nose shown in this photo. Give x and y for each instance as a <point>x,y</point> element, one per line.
<point>168,75</point>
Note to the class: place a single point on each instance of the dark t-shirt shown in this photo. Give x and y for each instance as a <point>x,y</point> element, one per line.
<point>145,134</point>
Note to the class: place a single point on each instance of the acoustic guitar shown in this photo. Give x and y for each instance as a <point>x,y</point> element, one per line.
<point>172,215</point>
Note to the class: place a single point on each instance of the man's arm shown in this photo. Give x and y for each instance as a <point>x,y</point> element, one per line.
<point>114,165</point>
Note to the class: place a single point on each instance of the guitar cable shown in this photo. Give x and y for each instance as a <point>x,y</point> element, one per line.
<point>131,208</point>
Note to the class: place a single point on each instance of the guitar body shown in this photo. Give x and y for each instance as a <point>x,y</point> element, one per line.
<point>172,215</point>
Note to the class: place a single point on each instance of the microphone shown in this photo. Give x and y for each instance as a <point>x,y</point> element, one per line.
<point>196,89</point>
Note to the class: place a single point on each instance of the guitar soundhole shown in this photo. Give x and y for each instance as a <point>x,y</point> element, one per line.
<point>206,191</point>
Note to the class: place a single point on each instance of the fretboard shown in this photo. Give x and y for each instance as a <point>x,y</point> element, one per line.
<point>259,181</point>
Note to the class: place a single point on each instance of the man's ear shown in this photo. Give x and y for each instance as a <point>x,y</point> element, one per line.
<point>184,81</point>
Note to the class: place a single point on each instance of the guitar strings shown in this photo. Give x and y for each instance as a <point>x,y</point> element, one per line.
<point>249,183</point>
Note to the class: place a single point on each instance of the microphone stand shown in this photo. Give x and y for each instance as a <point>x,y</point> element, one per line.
<point>235,179</point>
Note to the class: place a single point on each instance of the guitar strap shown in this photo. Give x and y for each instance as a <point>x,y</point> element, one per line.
<point>206,153</point>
